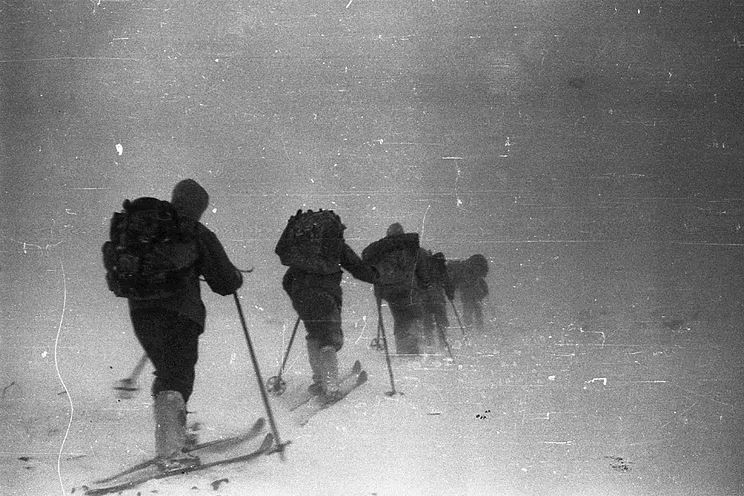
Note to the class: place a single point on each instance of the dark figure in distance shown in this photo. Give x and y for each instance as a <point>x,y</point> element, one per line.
<point>468,278</point>
<point>435,321</point>
<point>403,276</point>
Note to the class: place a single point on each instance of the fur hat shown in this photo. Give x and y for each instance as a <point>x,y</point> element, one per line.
<point>190,199</point>
<point>395,229</point>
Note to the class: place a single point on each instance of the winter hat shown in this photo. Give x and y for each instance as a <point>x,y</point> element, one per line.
<point>190,199</point>
<point>395,229</point>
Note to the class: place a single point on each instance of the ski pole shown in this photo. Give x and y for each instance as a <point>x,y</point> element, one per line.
<point>375,343</point>
<point>126,388</point>
<point>454,308</point>
<point>387,353</point>
<point>276,384</point>
<point>137,370</point>
<point>443,337</point>
<point>279,445</point>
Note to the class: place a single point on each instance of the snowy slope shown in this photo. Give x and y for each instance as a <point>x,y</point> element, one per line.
<point>602,402</point>
<point>588,148</point>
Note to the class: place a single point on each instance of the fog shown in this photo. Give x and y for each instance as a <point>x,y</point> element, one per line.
<point>590,150</point>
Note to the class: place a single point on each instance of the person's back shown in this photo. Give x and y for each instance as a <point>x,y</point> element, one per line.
<point>474,286</point>
<point>190,200</point>
<point>318,267</point>
<point>313,248</point>
<point>434,302</point>
<point>168,328</point>
<point>403,275</point>
<point>468,279</point>
<point>438,275</point>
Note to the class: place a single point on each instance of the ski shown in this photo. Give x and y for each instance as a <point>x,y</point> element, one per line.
<point>349,384</point>
<point>306,396</point>
<point>216,444</point>
<point>155,473</point>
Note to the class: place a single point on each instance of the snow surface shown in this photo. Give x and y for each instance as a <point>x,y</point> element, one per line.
<point>591,150</point>
<point>608,401</point>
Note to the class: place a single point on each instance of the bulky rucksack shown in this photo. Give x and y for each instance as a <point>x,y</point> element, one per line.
<point>478,265</point>
<point>151,253</point>
<point>395,259</point>
<point>312,242</point>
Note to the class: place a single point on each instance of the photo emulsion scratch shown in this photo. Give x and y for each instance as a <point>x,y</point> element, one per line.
<point>57,369</point>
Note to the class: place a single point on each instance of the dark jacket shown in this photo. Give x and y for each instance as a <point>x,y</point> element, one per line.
<point>438,275</point>
<point>468,278</point>
<point>190,201</point>
<point>296,279</point>
<point>394,250</point>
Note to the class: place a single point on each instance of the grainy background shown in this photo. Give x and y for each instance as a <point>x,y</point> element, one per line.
<point>592,150</point>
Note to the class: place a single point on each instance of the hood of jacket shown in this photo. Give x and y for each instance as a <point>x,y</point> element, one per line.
<point>395,229</point>
<point>190,199</point>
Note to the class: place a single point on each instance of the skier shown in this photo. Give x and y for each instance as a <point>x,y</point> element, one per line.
<point>468,278</point>
<point>435,305</point>
<point>313,248</point>
<point>168,327</point>
<point>402,266</point>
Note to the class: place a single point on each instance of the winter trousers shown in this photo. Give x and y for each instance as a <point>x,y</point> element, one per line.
<point>407,311</point>
<point>171,341</point>
<point>472,313</point>
<point>435,321</point>
<point>321,314</point>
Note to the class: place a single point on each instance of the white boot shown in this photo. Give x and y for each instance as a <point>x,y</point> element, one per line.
<point>313,355</point>
<point>329,365</point>
<point>170,432</point>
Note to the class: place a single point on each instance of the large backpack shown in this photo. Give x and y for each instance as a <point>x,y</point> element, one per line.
<point>478,265</point>
<point>395,258</point>
<point>151,253</point>
<point>312,242</point>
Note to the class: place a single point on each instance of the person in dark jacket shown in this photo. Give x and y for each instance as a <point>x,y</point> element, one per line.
<point>434,302</point>
<point>404,276</point>
<point>317,298</point>
<point>468,278</point>
<point>169,328</point>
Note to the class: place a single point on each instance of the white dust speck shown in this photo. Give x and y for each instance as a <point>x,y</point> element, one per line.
<point>119,149</point>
